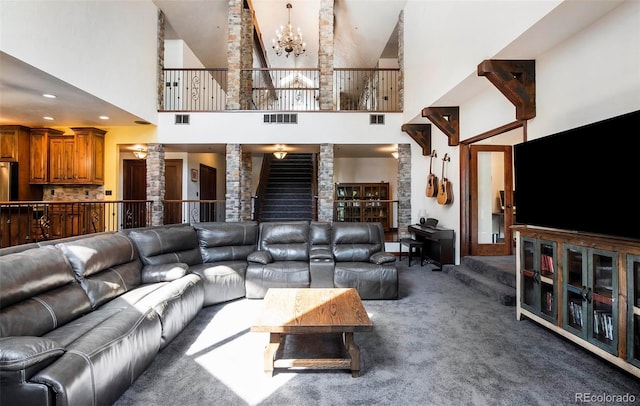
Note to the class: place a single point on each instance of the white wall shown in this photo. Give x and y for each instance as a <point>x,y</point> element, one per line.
<point>588,76</point>
<point>74,41</point>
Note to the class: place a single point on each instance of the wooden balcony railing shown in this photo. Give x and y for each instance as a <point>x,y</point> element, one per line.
<point>275,89</point>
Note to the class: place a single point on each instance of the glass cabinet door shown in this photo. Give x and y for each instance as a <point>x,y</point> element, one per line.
<point>633,313</point>
<point>575,285</point>
<point>538,277</point>
<point>602,299</point>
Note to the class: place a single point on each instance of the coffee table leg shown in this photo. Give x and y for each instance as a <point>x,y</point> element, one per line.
<point>354,354</point>
<point>270,352</point>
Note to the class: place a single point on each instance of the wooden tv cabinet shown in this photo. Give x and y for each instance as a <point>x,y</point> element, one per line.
<point>584,287</point>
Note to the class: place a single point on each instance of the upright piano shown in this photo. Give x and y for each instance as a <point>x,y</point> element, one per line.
<point>438,243</point>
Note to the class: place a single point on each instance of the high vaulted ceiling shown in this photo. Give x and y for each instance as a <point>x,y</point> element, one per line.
<point>363,29</point>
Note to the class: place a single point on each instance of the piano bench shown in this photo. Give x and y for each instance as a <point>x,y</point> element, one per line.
<point>413,246</point>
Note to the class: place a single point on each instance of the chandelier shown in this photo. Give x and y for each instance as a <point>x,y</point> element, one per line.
<point>287,41</point>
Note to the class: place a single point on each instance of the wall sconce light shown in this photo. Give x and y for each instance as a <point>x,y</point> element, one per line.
<point>280,153</point>
<point>140,153</point>
<point>395,154</point>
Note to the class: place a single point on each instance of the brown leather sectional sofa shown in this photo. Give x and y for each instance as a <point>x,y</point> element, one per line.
<point>82,318</point>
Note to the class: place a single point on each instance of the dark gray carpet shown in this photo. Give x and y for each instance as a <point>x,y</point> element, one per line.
<point>441,343</point>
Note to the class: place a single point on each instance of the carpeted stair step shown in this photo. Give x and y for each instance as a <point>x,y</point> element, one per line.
<point>487,285</point>
<point>501,268</point>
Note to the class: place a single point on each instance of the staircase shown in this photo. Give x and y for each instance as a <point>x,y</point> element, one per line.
<point>494,276</point>
<point>287,189</point>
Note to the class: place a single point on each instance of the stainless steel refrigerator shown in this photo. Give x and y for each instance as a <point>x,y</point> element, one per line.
<point>8,181</point>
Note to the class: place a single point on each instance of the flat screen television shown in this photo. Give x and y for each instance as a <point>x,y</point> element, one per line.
<point>586,179</point>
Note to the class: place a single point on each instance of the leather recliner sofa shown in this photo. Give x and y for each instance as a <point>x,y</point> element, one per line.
<point>81,318</point>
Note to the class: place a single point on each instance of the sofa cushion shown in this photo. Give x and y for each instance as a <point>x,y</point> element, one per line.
<point>222,241</point>
<point>106,265</point>
<point>356,241</point>
<point>38,292</point>
<point>285,241</point>
<point>165,245</point>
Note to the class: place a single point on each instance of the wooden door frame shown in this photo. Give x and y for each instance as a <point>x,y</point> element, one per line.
<point>465,179</point>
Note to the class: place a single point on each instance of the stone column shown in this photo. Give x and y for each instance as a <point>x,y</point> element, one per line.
<point>246,59</point>
<point>233,196</point>
<point>161,24</point>
<point>404,189</point>
<point>234,46</point>
<point>325,55</point>
<point>156,182</point>
<point>245,186</point>
<point>325,183</point>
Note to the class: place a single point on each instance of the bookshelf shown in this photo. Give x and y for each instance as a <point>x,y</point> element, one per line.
<point>585,287</point>
<point>363,202</point>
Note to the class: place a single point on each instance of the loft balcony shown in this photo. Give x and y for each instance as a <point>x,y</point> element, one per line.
<point>276,89</point>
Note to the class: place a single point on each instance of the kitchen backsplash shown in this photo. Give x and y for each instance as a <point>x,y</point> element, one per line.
<point>72,192</point>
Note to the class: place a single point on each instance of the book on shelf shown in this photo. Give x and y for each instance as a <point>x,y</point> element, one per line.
<point>546,264</point>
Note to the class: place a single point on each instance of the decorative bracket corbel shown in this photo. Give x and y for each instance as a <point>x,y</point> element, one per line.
<point>447,119</point>
<point>516,80</point>
<point>421,133</point>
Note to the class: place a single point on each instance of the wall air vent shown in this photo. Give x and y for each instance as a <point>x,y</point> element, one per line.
<point>376,118</point>
<point>182,119</point>
<point>281,118</point>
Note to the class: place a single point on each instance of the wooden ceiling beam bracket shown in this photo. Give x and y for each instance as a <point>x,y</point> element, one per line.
<point>447,119</point>
<point>421,133</point>
<point>516,80</point>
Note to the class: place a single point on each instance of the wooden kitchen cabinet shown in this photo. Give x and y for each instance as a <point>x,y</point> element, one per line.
<point>14,147</point>
<point>58,158</point>
<point>9,139</point>
<point>39,152</point>
<point>89,155</point>
<point>61,159</point>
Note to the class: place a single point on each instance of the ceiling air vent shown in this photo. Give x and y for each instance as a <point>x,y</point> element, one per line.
<point>281,118</point>
<point>182,119</point>
<point>376,118</point>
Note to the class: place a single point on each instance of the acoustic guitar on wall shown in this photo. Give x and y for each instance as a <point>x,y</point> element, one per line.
<point>432,179</point>
<point>445,194</point>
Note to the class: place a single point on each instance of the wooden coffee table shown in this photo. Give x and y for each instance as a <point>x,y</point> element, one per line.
<point>312,311</point>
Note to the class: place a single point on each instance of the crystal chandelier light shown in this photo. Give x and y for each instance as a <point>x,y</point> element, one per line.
<point>287,41</point>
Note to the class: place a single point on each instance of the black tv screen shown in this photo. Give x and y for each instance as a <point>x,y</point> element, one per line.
<point>586,179</point>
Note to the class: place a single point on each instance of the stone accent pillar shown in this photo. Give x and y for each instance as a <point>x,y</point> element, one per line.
<point>246,59</point>
<point>233,196</point>
<point>325,55</point>
<point>245,186</point>
<point>161,24</point>
<point>234,46</point>
<point>156,183</point>
<point>401,61</point>
<point>404,189</point>
<point>325,183</point>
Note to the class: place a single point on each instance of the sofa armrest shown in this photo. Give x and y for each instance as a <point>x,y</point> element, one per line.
<point>164,272</point>
<point>382,258</point>
<point>261,257</point>
<point>27,353</point>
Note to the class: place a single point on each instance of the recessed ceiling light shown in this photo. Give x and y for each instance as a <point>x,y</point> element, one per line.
<point>48,118</point>
<point>104,117</point>
<point>49,96</point>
